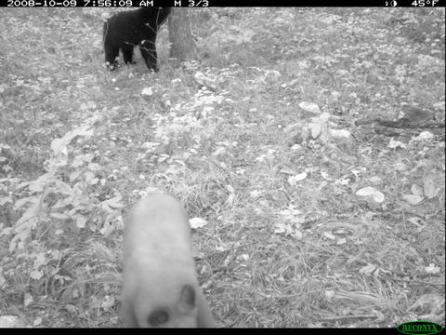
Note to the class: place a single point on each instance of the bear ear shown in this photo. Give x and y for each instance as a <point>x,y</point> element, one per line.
<point>187,298</point>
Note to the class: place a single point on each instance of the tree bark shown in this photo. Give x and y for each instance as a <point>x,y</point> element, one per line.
<point>182,45</point>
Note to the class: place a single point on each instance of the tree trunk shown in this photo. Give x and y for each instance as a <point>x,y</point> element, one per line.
<point>182,44</point>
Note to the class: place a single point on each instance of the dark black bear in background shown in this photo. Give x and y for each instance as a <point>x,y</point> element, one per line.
<point>128,29</point>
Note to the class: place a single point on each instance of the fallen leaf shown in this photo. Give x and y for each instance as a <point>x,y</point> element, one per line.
<point>369,269</point>
<point>370,194</point>
<point>310,107</point>
<point>329,235</point>
<point>36,274</point>
<point>196,223</point>
<point>432,268</point>
<point>416,221</point>
<point>430,191</point>
<point>412,199</point>
<point>417,190</point>
<point>340,133</point>
<point>315,129</point>
<point>147,91</point>
<point>393,144</point>
<point>424,136</point>
<point>37,321</point>
<point>294,179</point>
<point>27,299</point>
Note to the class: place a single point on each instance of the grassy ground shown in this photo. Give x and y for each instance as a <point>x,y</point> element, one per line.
<point>289,241</point>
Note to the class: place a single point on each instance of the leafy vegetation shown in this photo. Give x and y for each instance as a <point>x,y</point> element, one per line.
<point>318,214</point>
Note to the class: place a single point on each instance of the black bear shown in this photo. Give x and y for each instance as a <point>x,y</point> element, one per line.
<point>128,29</point>
<point>160,286</point>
